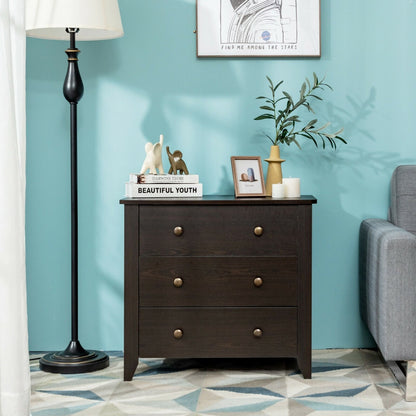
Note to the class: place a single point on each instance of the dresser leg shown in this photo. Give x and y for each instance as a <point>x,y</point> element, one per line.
<point>305,366</point>
<point>305,291</point>
<point>131,290</point>
<point>130,365</point>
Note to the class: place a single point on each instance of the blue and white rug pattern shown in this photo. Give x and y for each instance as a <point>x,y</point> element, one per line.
<point>344,382</point>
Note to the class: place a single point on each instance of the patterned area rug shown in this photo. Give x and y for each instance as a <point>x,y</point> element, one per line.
<point>344,382</point>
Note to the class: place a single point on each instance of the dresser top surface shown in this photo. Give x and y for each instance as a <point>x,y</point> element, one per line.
<point>221,200</point>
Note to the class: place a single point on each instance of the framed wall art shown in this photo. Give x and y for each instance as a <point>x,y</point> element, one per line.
<point>258,28</point>
<point>248,176</point>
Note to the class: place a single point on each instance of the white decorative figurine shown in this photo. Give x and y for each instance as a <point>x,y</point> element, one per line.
<point>153,158</point>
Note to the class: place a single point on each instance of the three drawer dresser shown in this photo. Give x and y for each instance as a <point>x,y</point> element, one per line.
<point>217,277</point>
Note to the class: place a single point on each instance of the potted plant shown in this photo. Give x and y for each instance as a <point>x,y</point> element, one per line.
<point>288,126</point>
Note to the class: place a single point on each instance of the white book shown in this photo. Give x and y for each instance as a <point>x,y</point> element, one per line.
<point>149,178</point>
<point>139,190</point>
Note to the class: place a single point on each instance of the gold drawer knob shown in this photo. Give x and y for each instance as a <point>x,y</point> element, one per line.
<point>178,333</point>
<point>257,332</point>
<point>258,231</point>
<point>178,282</point>
<point>258,281</point>
<point>178,231</point>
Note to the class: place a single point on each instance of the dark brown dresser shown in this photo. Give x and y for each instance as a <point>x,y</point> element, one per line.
<point>217,277</point>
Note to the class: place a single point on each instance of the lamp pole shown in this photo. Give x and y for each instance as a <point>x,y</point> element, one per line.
<point>73,90</point>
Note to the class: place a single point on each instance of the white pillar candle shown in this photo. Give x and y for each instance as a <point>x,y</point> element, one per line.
<point>292,187</point>
<point>278,190</point>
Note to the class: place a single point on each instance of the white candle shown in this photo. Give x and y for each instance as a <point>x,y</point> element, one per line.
<point>292,187</point>
<point>278,190</point>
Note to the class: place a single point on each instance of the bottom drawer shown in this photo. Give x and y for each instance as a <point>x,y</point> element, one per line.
<point>218,332</point>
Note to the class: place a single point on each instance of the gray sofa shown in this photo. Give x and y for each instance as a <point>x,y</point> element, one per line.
<point>387,267</point>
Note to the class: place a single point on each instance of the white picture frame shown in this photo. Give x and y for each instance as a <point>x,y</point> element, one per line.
<point>281,28</point>
<point>248,176</point>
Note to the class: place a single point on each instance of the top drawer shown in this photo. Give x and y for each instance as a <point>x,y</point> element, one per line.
<point>219,230</point>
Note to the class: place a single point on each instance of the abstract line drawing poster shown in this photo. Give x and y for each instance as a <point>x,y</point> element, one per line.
<point>258,28</point>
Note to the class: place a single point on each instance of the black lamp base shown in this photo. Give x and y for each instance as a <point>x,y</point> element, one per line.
<point>74,360</point>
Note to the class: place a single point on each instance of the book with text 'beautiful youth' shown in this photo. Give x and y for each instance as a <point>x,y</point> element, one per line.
<point>138,190</point>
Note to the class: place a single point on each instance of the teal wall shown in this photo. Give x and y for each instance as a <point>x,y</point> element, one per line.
<point>150,82</point>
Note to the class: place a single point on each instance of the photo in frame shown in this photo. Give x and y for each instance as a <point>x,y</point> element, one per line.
<point>248,176</point>
<point>258,28</point>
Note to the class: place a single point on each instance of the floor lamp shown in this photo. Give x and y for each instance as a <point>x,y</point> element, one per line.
<point>70,20</point>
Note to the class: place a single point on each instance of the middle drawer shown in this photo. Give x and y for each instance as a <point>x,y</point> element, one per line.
<point>218,281</point>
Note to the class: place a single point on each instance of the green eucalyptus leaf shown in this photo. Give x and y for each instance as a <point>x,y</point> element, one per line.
<point>269,138</point>
<point>279,118</point>
<point>277,86</point>
<point>264,117</point>
<point>315,96</point>
<point>302,90</point>
<point>330,135</point>
<point>340,138</point>
<point>296,143</point>
<point>308,136</point>
<point>309,84</point>
<point>287,95</point>
<point>299,103</point>
<point>293,118</point>
<point>327,85</point>
<point>265,107</point>
<point>338,132</point>
<point>323,127</point>
<point>287,124</point>
<point>310,124</point>
<point>307,105</point>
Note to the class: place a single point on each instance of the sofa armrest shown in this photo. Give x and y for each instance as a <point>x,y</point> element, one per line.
<point>387,268</point>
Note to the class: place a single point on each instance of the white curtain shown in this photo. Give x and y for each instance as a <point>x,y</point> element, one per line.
<point>14,357</point>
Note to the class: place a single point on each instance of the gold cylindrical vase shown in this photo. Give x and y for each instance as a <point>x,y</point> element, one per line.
<point>274,170</point>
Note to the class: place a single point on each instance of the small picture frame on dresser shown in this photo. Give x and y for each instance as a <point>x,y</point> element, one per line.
<point>248,176</point>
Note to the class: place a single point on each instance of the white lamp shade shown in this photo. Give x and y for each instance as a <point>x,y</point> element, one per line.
<point>95,19</point>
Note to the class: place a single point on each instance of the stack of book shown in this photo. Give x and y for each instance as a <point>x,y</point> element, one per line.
<point>163,186</point>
